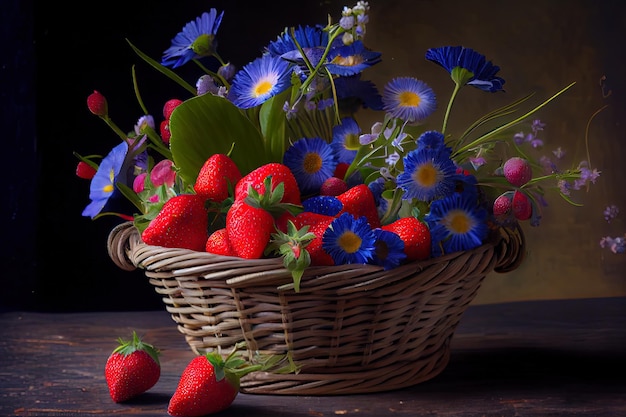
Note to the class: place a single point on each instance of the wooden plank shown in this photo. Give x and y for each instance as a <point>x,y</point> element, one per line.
<point>531,359</point>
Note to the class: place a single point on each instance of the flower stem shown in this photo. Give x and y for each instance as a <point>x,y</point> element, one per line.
<point>457,88</point>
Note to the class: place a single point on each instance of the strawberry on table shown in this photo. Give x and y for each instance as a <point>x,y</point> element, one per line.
<point>210,383</point>
<point>182,223</point>
<point>131,369</point>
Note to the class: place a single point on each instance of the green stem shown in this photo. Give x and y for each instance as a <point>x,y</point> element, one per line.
<point>457,88</point>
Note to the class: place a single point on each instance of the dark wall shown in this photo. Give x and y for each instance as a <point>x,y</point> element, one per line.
<point>54,259</point>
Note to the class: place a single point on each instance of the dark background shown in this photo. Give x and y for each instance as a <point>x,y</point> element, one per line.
<point>54,56</point>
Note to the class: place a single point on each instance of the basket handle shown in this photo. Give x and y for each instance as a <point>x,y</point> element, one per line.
<point>511,248</point>
<point>119,243</point>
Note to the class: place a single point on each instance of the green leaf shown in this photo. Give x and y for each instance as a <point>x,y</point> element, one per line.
<point>272,120</point>
<point>163,70</point>
<point>205,125</point>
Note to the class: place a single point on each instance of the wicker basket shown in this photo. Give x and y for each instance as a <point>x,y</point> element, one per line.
<point>352,329</point>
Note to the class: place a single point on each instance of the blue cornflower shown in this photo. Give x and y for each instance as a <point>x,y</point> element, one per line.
<point>102,184</point>
<point>431,139</point>
<point>349,241</point>
<point>312,162</point>
<point>409,99</point>
<point>351,59</point>
<point>260,80</point>
<point>196,40</point>
<point>456,223</point>
<point>428,174</point>
<point>389,251</point>
<point>345,141</point>
<point>467,66</point>
<point>308,37</point>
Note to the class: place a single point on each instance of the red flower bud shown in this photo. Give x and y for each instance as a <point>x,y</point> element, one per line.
<point>84,170</point>
<point>97,104</point>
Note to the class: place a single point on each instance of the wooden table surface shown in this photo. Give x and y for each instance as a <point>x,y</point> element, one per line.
<point>540,358</point>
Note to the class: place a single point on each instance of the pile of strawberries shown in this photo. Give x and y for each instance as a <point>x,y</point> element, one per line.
<point>234,215</point>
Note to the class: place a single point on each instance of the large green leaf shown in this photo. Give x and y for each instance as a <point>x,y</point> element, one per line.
<point>208,124</point>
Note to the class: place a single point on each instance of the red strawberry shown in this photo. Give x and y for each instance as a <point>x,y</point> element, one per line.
<point>214,177</point>
<point>517,171</point>
<point>279,173</point>
<point>249,229</point>
<point>206,386</point>
<point>164,128</point>
<point>341,169</point>
<point>169,107</point>
<point>359,201</point>
<point>521,206</point>
<point>318,223</point>
<point>219,244</point>
<point>131,369</point>
<point>415,235</point>
<point>182,223</point>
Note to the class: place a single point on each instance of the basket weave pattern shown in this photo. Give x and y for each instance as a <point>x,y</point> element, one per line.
<point>351,328</point>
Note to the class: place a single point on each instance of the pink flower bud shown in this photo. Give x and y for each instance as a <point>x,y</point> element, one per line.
<point>97,104</point>
<point>139,182</point>
<point>162,173</point>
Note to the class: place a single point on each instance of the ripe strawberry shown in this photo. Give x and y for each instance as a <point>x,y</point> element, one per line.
<point>249,229</point>
<point>415,235</point>
<point>359,201</point>
<point>517,171</point>
<point>521,206</point>
<point>219,244</point>
<point>210,383</point>
<point>279,173</point>
<point>217,173</point>
<point>318,223</point>
<point>164,128</point>
<point>131,369</point>
<point>182,223</point>
<point>206,386</point>
<point>169,107</point>
<point>97,104</point>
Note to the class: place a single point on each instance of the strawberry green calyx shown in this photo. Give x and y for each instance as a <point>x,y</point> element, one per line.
<point>292,247</point>
<point>234,367</point>
<point>271,199</point>
<point>126,347</point>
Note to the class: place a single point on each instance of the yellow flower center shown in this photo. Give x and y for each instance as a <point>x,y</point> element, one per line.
<point>352,142</point>
<point>312,162</point>
<point>108,188</point>
<point>348,61</point>
<point>409,99</point>
<point>350,242</point>
<point>426,175</point>
<point>262,88</point>
<point>458,222</point>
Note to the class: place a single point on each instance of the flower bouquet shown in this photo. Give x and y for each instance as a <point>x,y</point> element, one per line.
<point>266,214</point>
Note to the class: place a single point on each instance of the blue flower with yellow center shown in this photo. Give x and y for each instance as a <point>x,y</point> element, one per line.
<point>102,184</point>
<point>196,40</point>
<point>428,174</point>
<point>345,141</point>
<point>409,99</point>
<point>260,80</point>
<point>349,241</point>
<point>351,59</point>
<point>312,161</point>
<point>456,223</point>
